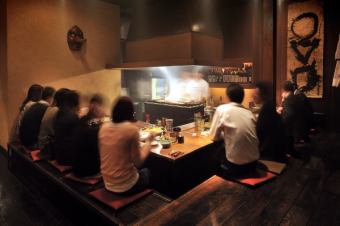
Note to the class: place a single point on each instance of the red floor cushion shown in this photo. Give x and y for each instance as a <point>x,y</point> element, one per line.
<point>59,167</point>
<point>117,201</point>
<point>252,179</point>
<point>87,180</point>
<point>35,155</point>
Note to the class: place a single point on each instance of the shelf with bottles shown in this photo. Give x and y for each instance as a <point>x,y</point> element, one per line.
<point>226,75</point>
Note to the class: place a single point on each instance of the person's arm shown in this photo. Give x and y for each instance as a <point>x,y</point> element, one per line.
<point>216,128</point>
<point>139,154</point>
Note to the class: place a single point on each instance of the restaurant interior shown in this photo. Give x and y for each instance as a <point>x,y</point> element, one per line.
<point>174,59</point>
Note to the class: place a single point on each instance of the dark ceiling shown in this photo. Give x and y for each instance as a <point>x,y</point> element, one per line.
<point>132,3</point>
<point>122,3</point>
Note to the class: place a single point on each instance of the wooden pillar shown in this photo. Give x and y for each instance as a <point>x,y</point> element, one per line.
<point>3,49</point>
<point>263,40</point>
<point>281,46</point>
<point>3,74</point>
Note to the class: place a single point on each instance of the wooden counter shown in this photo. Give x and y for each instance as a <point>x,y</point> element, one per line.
<point>191,144</point>
<point>175,175</point>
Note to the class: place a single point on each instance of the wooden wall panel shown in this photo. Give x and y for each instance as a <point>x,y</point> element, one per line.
<point>3,73</point>
<point>281,46</point>
<point>263,39</point>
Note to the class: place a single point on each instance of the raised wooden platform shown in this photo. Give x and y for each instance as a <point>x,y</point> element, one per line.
<point>306,193</point>
<point>73,197</point>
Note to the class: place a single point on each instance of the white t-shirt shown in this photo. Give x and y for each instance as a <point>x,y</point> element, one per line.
<point>236,125</point>
<point>119,155</point>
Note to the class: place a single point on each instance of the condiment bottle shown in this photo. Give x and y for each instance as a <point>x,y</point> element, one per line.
<point>180,138</point>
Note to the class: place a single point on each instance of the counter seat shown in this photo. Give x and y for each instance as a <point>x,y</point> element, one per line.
<point>72,197</point>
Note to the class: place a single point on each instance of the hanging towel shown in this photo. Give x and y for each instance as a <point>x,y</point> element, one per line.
<point>336,78</point>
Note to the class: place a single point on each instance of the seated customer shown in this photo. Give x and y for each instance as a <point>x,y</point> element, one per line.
<point>296,115</point>
<point>46,133</point>
<point>120,151</point>
<point>34,95</point>
<point>87,162</point>
<point>269,126</point>
<point>64,126</point>
<point>31,120</point>
<point>236,126</point>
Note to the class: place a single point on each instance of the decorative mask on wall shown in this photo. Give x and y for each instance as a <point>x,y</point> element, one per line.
<point>75,38</point>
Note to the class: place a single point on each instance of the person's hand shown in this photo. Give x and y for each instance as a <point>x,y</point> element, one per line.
<point>151,137</point>
<point>279,110</point>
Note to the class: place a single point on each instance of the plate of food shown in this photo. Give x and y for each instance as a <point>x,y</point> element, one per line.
<point>155,130</point>
<point>156,147</point>
<point>143,135</point>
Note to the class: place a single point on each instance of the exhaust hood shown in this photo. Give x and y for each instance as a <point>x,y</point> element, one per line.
<point>172,33</point>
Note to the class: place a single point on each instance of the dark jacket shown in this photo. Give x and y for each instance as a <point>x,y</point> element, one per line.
<point>86,162</point>
<point>30,125</point>
<point>271,133</point>
<point>64,128</point>
<point>297,116</point>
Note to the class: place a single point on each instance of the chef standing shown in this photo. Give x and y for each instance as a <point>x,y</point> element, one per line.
<point>198,88</point>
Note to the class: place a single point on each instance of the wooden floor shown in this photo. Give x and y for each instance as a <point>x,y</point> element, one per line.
<point>308,193</point>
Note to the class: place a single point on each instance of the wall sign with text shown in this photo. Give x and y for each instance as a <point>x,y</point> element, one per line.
<point>230,74</point>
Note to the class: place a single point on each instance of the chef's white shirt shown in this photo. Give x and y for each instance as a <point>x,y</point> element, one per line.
<point>236,125</point>
<point>197,89</point>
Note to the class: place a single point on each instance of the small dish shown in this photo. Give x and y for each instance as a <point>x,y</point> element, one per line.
<point>165,143</point>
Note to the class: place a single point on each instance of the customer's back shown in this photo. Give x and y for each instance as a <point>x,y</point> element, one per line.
<point>237,126</point>
<point>118,148</point>
<point>296,113</point>
<point>269,127</point>
<point>87,162</point>
<point>31,120</point>
<point>64,127</point>
<point>46,136</point>
<point>120,151</point>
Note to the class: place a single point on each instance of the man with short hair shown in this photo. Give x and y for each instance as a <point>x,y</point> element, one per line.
<point>31,120</point>
<point>236,126</point>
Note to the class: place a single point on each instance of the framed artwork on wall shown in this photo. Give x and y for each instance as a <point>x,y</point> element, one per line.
<point>305,46</point>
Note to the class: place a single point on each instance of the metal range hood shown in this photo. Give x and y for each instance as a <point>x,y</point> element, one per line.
<point>172,32</point>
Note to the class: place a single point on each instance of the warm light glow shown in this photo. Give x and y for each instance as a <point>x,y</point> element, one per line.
<point>195,27</point>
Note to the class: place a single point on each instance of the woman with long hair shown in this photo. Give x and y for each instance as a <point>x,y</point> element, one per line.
<point>34,94</point>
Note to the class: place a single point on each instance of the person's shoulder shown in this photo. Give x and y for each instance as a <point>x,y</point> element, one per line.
<point>53,108</point>
<point>222,107</point>
<point>131,127</point>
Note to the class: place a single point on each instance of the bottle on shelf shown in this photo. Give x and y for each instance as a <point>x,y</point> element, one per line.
<point>147,118</point>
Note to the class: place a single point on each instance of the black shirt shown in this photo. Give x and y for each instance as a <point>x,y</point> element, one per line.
<point>87,162</point>
<point>296,116</point>
<point>64,128</point>
<point>30,125</point>
<point>271,133</point>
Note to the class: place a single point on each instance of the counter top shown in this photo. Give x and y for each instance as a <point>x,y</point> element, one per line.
<point>191,144</point>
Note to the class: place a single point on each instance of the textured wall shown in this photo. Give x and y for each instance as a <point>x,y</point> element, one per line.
<point>37,47</point>
<point>105,82</point>
<point>217,93</point>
